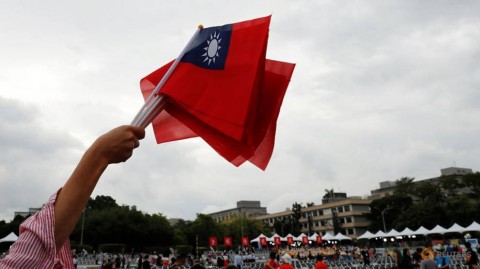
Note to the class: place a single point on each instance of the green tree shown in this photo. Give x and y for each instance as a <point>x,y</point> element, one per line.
<point>296,216</point>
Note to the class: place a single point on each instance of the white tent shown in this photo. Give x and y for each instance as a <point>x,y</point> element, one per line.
<point>299,238</point>
<point>272,239</point>
<point>422,231</point>
<point>258,238</point>
<point>474,227</point>
<point>406,232</point>
<point>437,230</point>
<point>380,234</point>
<point>366,235</point>
<point>341,237</point>
<point>456,229</point>
<point>289,235</point>
<point>328,237</point>
<point>313,237</point>
<point>392,233</point>
<point>9,238</point>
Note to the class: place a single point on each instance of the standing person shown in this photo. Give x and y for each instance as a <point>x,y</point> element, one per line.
<point>471,257</point>
<point>286,262</point>
<point>146,262</point>
<point>177,262</point>
<point>443,261</point>
<point>428,262</point>
<point>417,258</point>
<point>407,262</point>
<point>320,264</point>
<point>238,260</point>
<point>271,263</point>
<point>44,237</point>
<point>366,256</point>
<point>397,257</point>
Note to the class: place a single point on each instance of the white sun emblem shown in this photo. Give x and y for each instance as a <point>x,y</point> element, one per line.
<point>212,48</point>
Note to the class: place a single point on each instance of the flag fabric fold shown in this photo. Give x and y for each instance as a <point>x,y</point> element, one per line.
<point>225,91</point>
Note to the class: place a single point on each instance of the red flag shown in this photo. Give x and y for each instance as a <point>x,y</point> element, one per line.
<point>305,240</point>
<point>263,241</point>
<point>319,239</point>
<point>277,241</point>
<point>212,241</point>
<point>227,241</point>
<point>289,240</point>
<point>232,103</point>
<point>245,241</point>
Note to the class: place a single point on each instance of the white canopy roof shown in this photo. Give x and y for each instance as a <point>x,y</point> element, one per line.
<point>313,237</point>
<point>473,227</point>
<point>340,237</point>
<point>380,234</point>
<point>366,235</point>
<point>258,238</point>
<point>406,231</point>
<point>299,238</point>
<point>456,229</point>
<point>437,230</point>
<point>9,238</point>
<point>328,236</point>
<point>392,233</point>
<point>271,239</point>
<point>422,230</point>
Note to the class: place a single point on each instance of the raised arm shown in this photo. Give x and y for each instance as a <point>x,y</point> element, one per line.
<point>113,147</point>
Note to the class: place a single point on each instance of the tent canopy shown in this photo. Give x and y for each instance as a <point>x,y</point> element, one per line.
<point>341,237</point>
<point>9,238</point>
<point>366,235</point>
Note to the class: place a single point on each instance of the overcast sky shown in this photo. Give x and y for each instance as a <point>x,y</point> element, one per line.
<point>381,90</point>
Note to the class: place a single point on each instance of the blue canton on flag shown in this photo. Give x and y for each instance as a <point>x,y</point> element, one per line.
<point>210,48</point>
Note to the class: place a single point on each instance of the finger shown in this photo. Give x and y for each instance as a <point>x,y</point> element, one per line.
<point>139,132</point>
<point>136,143</point>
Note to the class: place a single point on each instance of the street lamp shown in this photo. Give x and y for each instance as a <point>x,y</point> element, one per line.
<point>241,220</point>
<point>383,218</point>
<point>83,224</point>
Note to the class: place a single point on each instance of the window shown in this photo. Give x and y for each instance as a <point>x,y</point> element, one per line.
<point>347,208</point>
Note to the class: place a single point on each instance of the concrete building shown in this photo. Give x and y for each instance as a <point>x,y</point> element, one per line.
<point>348,211</point>
<point>31,211</point>
<point>245,209</point>
<point>388,187</point>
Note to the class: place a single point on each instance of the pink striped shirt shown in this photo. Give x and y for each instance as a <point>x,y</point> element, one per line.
<point>35,247</point>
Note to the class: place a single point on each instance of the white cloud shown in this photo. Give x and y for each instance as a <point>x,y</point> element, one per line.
<point>381,90</point>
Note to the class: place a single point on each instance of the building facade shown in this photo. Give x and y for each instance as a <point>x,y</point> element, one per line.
<point>349,212</point>
<point>244,209</point>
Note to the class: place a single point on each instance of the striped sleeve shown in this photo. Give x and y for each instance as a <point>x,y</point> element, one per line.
<point>35,247</point>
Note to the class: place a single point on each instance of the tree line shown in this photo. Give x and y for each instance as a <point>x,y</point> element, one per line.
<point>451,199</point>
<point>128,229</point>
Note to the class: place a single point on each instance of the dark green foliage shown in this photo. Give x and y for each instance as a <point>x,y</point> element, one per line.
<point>454,199</point>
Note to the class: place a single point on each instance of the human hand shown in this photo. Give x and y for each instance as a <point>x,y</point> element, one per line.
<point>118,144</point>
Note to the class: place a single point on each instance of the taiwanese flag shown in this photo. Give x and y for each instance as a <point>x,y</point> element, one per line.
<point>319,239</point>
<point>227,241</point>
<point>225,91</point>
<point>305,240</point>
<point>212,241</point>
<point>277,241</point>
<point>263,241</point>
<point>245,242</point>
<point>289,240</point>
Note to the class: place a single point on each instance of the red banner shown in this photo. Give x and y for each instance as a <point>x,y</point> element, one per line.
<point>263,241</point>
<point>245,241</point>
<point>212,241</point>
<point>277,241</point>
<point>305,240</point>
<point>319,239</point>
<point>290,240</point>
<point>227,241</point>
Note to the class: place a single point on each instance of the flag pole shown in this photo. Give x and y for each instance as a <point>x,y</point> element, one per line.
<point>146,109</point>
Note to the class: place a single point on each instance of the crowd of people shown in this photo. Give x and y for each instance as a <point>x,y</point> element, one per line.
<point>437,257</point>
